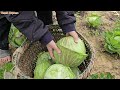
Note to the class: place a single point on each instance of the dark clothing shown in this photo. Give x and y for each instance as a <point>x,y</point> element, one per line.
<point>32,27</point>
<point>45,16</point>
<point>4,31</point>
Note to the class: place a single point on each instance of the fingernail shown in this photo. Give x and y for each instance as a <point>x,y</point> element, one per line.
<point>59,54</point>
<point>76,41</point>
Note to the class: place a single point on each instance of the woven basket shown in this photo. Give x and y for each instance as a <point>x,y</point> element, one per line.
<point>24,57</point>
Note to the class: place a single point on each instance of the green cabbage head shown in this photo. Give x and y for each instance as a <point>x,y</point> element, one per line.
<point>112,41</point>
<point>59,71</point>
<point>73,54</point>
<point>43,56</point>
<point>43,63</point>
<point>40,70</point>
<point>94,20</point>
<point>76,71</point>
<point>16,38</point>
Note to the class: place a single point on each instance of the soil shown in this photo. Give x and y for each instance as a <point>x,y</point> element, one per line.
<point>104,61</point>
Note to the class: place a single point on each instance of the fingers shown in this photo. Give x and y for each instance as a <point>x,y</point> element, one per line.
<point>51,53</point>
<point>52,46</point>
<point>5,60</point>
<point>67,34</point>
<point>74,35</point>
<point>57,49</point>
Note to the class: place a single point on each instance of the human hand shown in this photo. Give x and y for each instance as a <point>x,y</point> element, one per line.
<point>52,46</point>
<point>74,35</point>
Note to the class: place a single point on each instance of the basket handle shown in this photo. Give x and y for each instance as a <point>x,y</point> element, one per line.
<point>15,59</point>
<point>17,54</point>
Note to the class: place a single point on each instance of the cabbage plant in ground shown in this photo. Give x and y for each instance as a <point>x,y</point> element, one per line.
<point>94,20</point>
<point>101,75</point>
<point>59,71</point>
<point>73,54</point>
<point>16,38</point>
<point>112,41</point>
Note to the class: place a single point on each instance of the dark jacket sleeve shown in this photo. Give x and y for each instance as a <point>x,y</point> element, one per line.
<point>66,20</point>
<point>33,28</point>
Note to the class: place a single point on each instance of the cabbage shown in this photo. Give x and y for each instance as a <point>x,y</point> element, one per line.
<point>40,70</point>
<point>5,68</point>
<point>16,38</point>
<point>73,54</point>
<point>43,63</point>
<point>112,41</point>
<point>101,75</point>
<point>94,20</point>
<point>76,71</point>
<point>44,56</point>
<point>59,71</point>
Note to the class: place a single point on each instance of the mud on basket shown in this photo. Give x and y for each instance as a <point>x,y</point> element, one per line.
<point>25,56</point>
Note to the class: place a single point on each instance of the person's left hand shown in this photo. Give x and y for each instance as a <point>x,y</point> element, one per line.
<point>74,35</point>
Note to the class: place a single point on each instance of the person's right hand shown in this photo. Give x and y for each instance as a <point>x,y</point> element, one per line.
<point>52,46</point>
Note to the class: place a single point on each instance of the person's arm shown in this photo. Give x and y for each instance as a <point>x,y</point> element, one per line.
<point>66,20</point>
<point>34,29</point>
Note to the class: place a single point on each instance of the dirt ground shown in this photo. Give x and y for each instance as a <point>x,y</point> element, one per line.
<point>104,62</point>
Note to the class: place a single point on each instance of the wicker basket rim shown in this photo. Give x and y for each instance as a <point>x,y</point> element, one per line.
<point>19,52</point>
